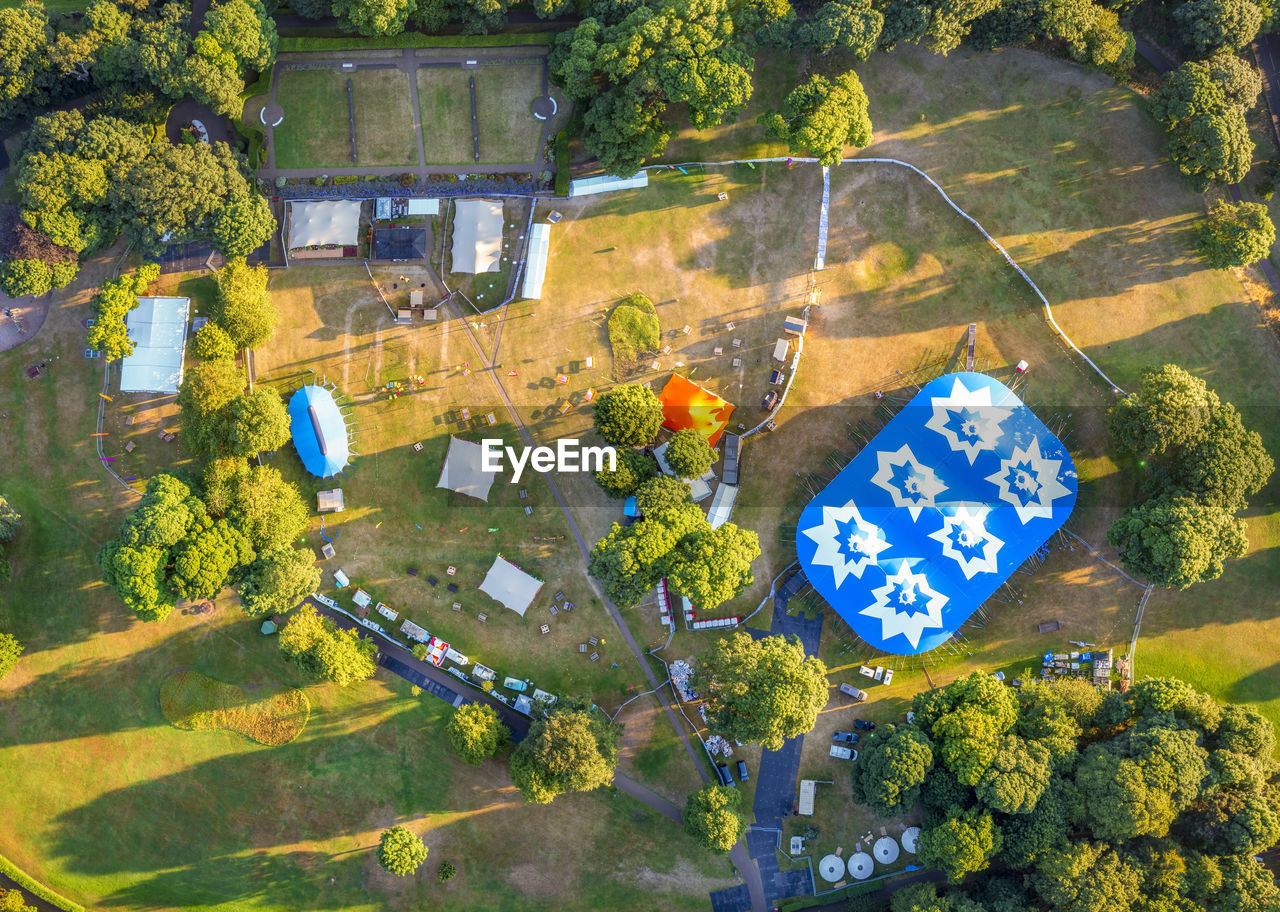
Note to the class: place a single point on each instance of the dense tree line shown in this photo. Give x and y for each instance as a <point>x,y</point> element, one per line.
<point>1199,464</point>
<point>1078,800</point>
<point>10,523</point>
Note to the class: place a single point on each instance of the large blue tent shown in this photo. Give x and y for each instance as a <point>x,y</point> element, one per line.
<point>319,432</point>
<point>949,499</point>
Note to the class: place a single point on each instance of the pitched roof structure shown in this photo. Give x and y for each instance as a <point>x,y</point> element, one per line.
<point>158,329</point>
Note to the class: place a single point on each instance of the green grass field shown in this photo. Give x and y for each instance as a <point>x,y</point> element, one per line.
<point>509,133</point>
<point>444,102</point>
<point>314,132</point>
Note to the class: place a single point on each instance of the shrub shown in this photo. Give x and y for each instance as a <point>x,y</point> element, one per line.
<point>562,163</point>
<point>281,181</point>
<point>445,871</point>
<point>633,330</point>
<point>407,180</point>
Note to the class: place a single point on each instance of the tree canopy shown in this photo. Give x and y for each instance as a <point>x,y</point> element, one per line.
<point>962,844</point>
<point>764,690</point>
<point>1210,26</point>
<point>243,307</point>
<point>689,454</point>
<point>1175,540</point>
<point>628,416</point>
<point>1235,234</point>
<point>660,494</point>
<point>10,650</point>
<point>1209,139</point>
<point>278,580</point>
<point>712,817</point>
<point>821,117</point>
<point>571,750</point>
<point>629,473</point>
<point>852,24</point>
<point>316,645</point>
<point>400,851</point>
<point>476,733</point>
<point>893,762</point>
<point>111,305</point>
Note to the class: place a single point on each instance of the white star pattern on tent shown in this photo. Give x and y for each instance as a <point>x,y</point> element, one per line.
<point>909,483</point>
<point>967,541</point>
<point>1029,481</point>
<point>847,543</point>
<point>906,605</point>
<point>968,420</point>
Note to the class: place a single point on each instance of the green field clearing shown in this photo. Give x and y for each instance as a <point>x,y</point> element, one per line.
<point>509,133</point>
<point>314,133</point>
<point>444,103</point>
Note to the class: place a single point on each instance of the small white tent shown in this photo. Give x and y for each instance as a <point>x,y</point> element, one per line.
<point>464,470</point>
<point>477,235</point>
<point>508,584</point>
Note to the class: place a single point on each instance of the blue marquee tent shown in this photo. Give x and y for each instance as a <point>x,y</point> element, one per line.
<point>952,496</point>
<point>319,432</point>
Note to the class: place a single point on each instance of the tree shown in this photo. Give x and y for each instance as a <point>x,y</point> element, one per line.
<point>445,872</point>
<point>1241,82</point>
<point>963,844</point>
<point>10,520</point>
<point>660,494</point>
<point>480,17</point>
<point>571,750</point>
<point>892,765</point>
<point>242,226</point>
<point>12,900</point>
<point>278,580</point>
<point>712,566</point>
<point>1209,139</point>
<point>822,117</point>
<point>24,60</point>
<point>852,24</point>
<point>1244,730</point>
<point>319,648</point>
<point>208,389</point>
<point>630,471</point>
<point>1016,777</point>
<point>257,423</point>
<point>10,650</point>
<point>400,851</point>
<point>207,561</point>
<point>1224,468</point>
<point>1227,822</point>
<point>213,344</point>
<point>1171,410</point>
<point>1175,541</point>
<point>237,35</point>
<point>1235,234</point>
<point>628,416</point>
<point>1209,26</point>
<point>267,508</point>
<point>712,818</point>
<point>1086,877</point>
<point>627,67</point>
<point>689,454</point>
<point>25,277</point>
<point>111,305</point>
<point>476,733</point>
<point>762,690</point>
<point>243,308</point>
<point>374,17</point>
<point>771,21</point>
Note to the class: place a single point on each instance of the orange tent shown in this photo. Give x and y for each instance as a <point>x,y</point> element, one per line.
<point>685,404</point>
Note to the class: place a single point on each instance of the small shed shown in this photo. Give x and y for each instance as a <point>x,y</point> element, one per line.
<point>794,325</point>
<point>327,551</point>
<point>415,298</point>
<point>341,579</point>
<point>329,501</point>
<point>780,350</point>
<point>808,791</point>
<point>414,632</point>
<point>361,598</point>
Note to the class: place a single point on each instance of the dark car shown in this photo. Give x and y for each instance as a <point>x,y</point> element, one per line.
<point>845,737</point>
<point>864,725</point>
<point>770,400</point>
<point>742,770</point>
<point>726,778</point>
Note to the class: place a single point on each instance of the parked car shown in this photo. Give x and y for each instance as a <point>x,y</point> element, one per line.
<point>726,778</point>
<point>770,400</point>
<point>742,770</point>
<point>864,725</point>
<point>844,737</point>
<point>515,684</point>
<point>843,753</point>
<point>849,690</point>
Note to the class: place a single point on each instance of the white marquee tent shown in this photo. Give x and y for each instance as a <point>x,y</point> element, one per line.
<point>158,329</point>
<point>535,269</point>
<point>323,223</point>
<point>508,584</point>
<point>477,235</point>
<point>464,470</point>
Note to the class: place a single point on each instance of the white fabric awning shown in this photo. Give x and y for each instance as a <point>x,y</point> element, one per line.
<point>508,584</point>
<point>535,268</point>
<point>464,470</point>
<point>477,236</point>
<point>324,223</point>
<point>158,330</point>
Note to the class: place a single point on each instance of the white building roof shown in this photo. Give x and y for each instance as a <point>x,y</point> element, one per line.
<point>535,265</point>
<point>158,328</point>
<point>722,505</point>
<point>324,222</point>
<point>605,183</point>
<point>780,350</point>
<point>420,206</point>
<point>477,236</point>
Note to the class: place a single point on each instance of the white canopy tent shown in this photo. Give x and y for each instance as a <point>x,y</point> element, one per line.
<point>508,584</point>
<point>606,183</point>
<point>464,470</point>
<point>324,223</point>
<point>535,268</point>
<point>158,329</point>
<point>477,236</point>
<point>860,865</point>
<point>909,837</point>
<point>722,505</point>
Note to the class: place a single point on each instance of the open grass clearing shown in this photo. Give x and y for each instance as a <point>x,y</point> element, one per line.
<point>444,102</point>
<point>196,702</point>
<point>509,133</point>
<point>315,133</point>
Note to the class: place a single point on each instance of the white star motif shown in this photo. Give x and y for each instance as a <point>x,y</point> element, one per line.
<point>847,543</point>
<point>965,539</point>
<point>968,420</point>
<point>906,605</point>
<point>1029,481</point>
<point>909,483</point>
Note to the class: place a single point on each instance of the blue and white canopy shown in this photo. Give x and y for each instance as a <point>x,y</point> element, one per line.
<point>319,431</point>
<point>960,488</point>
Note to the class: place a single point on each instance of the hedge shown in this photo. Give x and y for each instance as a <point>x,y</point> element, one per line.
<point>252,133</point>
<point>413,40</point>
<point>562,163</point>
<point>808,902</point>
<point>20,877</point>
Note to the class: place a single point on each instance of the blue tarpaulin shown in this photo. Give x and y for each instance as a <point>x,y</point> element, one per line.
<point>319,433</point>
<point>948,500</point>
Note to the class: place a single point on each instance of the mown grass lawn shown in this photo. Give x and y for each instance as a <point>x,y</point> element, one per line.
<point>315,131</point>
<point>444,100</point>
